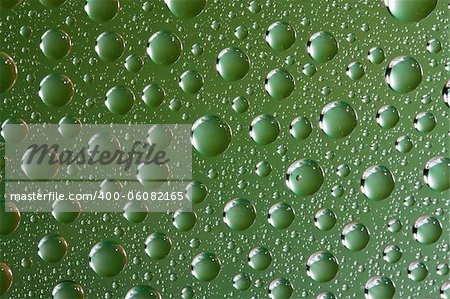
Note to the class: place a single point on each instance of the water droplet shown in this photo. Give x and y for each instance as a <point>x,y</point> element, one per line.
<point>56,90</point>
<point>417,271</point>
<point>424,122</point>
<point>392,254</point>
<point>205,266</point>
<point>300,128</point>
<point>69,126</point>
<point>107,258</point>
<point>66,211</point>
<point>239,214</point>
<point>102,10</point>
<point>377,182</point>
<point>436,173</point>
<point>379,287</point>
<point>304,177</point>
<point>403,74</point>
<point>279,84</point>
<point>403,144</point>
<point>191,82</point>
<point>210,135</point>
<point>434,46</point>
<point>158,246</point>
<point>281,215</point>
<point>338,119</point>
<point>324,219</point>
<point>240,104</point>
<point>408,11</point>
<point>8,72</point>
<point>153,95</point>
<point>6,278</point>
<point>9,218</point>
<point>109,46</point>
<point>232,64</point>
<point>35,169</point>
<point>135,212</point>
<point>196,192</point>
<point>52,248</point>
<point>445,93</point>
<point>263,168</point>
<point>264,129</point>
<point>242,281</point>
<point>14,130</point>
<point>326,295</point>
<point>55,44</point>
<point>185,9</point>
<point>119,100</point>
<point>355,70</point>
<point>355,236</point>
<point>164,48</point>
<point>322,46</point>
<point>427,230</point>
<point>322,266</point>
<point>280,36</point>
<point>152,176</point>
<point>259,258</point>
<point>387,117</point>
<point>134,63</point>
<point>376,55</point>
<point>184,220</point>
<point>68,289</point>
<point>280,288</point>
<point>142,292</point>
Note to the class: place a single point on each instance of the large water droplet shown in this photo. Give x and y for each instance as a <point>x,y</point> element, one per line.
<point>153,95</point>
<point>259,258</point>
<point>322,266</point>
<point>9,218</point>
<point>205,266</point>
<point>6,278</point>
<point>185,9</point>
<point>119,100</point>
<point>107,258</point>
<point>55,44</point>
<point>164,47</point>
<point>338,119</point>
<point>239,214</point>
<point>68,290</point>
<point>377,182</point>
<point>102,10</point>
<point>8,72</point>
<point>279,84</point>
<point>52,248</point>
<point>304,177</point>
<point>158,246</point>
<point>427,229</point>
<point>379,287</point>
<point>436,173</point>
<point>56,90</point>
<point>355,236</point>
<point>322,46</point>
<point>210,135</point>
<point>109,46</point>
<point>281,215</point>
<point>408,11</point>
<point>280,36</point>
<point>403,74</point>
<point>264,129</point>
<point>232,64</point>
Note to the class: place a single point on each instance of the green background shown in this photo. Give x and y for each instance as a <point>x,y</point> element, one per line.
<point>234,176</point>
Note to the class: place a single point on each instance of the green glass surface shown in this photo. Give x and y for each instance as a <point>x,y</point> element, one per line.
<point>337,89</point>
